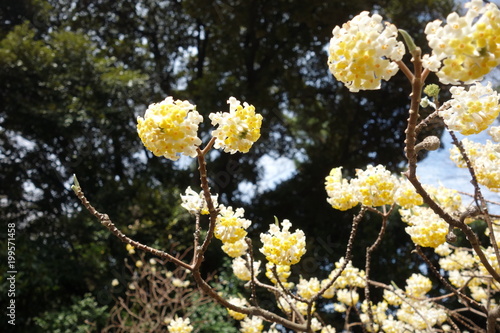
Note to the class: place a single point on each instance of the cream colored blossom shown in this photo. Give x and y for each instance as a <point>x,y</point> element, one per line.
<point>471,111</point>
<point>308,288</point>
<point>169,128</point>
<point>251,325</point>
<point>485,159</point>
<point>328,329</point>
<point>238,129</point>
<point>449,199</point>
<point>425,227</point>
<point>406,196</point>
<point>195,203</point>
<point>281,247</point>
<point>418,285</point>
<point>240,302</point>
<point>130,249</point>
<point>283,272</point>
<point>349,277</point>
<point>467,46</point>
<point>348,297</point>
<point>235,249</point>
<point>241,270</point>
<point>459,259</point>
<point>363,52</point>
<point>230,225</point>
<point>180,325</point>
<point>494,132</point>
<point>376,186</point>
<point>176,282</point>
<point>341,195</point>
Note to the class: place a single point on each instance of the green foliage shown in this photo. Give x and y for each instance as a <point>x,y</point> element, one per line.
<point>83,316</point>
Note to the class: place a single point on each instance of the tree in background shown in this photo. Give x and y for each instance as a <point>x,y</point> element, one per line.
<point>75,74</point>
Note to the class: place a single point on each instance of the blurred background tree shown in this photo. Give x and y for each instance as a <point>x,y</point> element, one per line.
<point>74,75</point>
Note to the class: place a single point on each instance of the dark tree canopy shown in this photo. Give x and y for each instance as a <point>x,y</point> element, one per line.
<point>74,75</point>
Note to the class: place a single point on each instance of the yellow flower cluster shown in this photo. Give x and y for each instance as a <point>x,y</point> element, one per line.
<point>241,271</point>
<point>241,302</point>
<point>308,288</point>
<point>238,129</point>
<point>169,128</point>
<point>282,271</point>
<point>251,325</point>
<point>341,194</point>
<point>374,187</point>
<point>468,46</point>
<point>235,249</point>
<point>282,247</point>
<point>230,225</point>
<point>180,325</point>
<point>485,160</point>
<point>195,203</point>
<point>471,111</point>
<point>425,227</point>
<point>360,52</point>
<point>406,196</point>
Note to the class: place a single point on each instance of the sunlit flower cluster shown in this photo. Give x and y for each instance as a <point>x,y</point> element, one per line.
<point>495,133</point>
<point>467,46</point>
<point>376,186</point>
<point>195,203</point>
<point>230,225</point>
<point>282,272</point>
<point>406,196</point>
<point>425,227</point>
<point>449,199</point>
<point>238,129</point>
<point>242,272</point>
<point>308,288</point>
<point>341,194</point>
<point>379,313</point>
<point>240,302</point>
<point>281,247</point>
<point>235,249</point>
<point>347,297</point>
<point>180,325</point>
<point>471,111</point>
<point>421,314</point>
<point>418,285</point>
<point>363,51</point>
<point>169,128</point>
<point>485,160</point>
<point>251,325</point>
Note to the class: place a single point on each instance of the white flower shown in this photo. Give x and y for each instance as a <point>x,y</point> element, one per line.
<point>180,325</point>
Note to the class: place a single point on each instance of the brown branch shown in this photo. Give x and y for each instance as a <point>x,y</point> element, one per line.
<point>106,222</point>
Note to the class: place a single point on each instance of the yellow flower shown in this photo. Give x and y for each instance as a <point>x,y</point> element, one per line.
<point>360,52</point>
<point>230,225</point>
<point>170,128</point>
<point>375,185</point>
<point>238,129</point>
<point>341,195</point>
<point>283,247</point>
<point>467,46</point>
<point>471,111</point>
